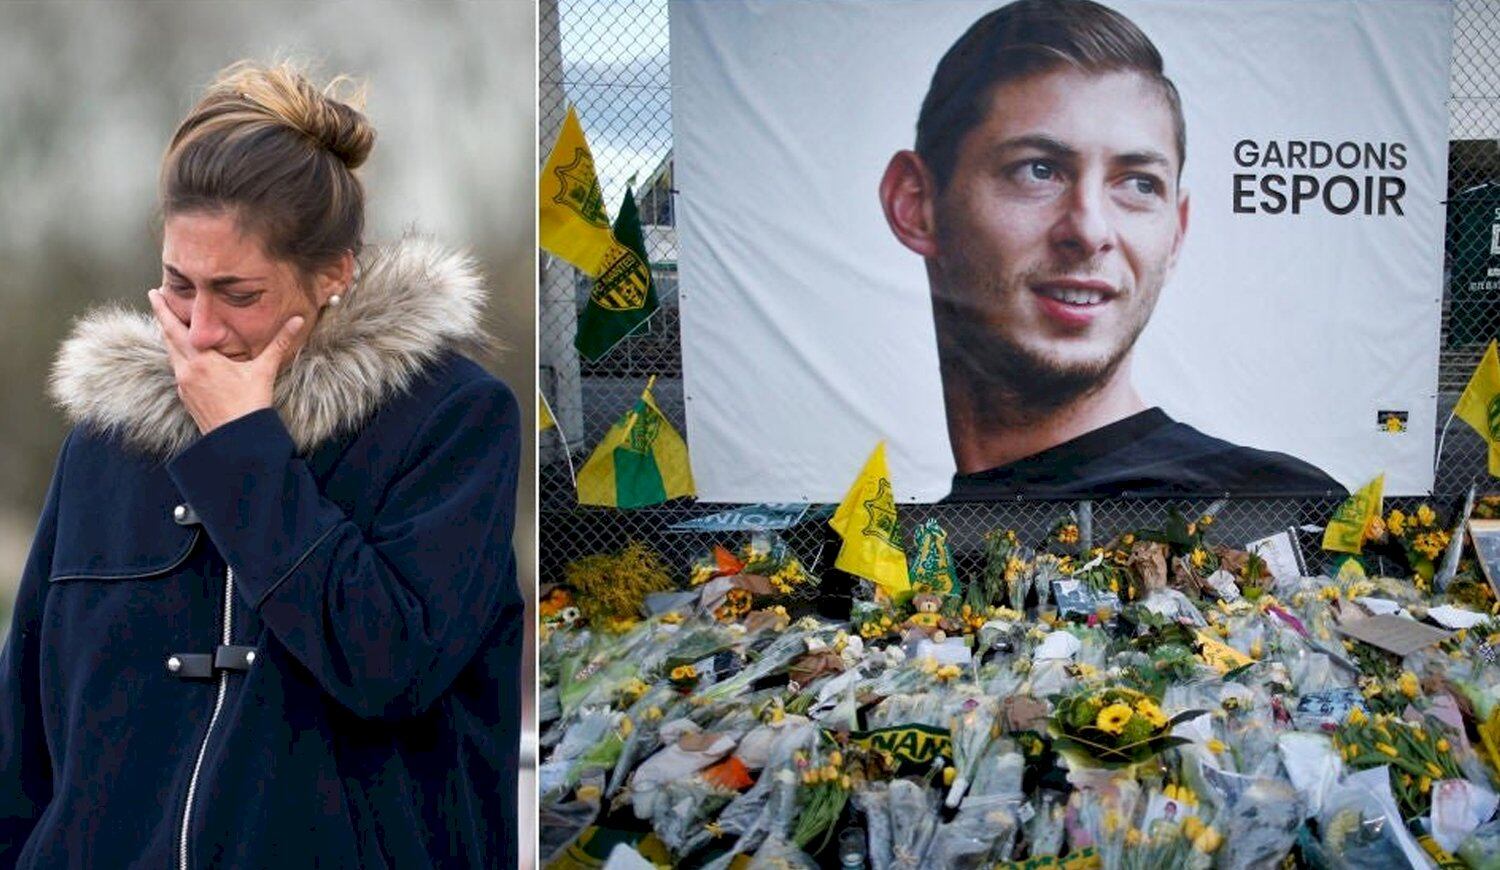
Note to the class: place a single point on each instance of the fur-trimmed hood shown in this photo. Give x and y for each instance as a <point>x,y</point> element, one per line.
<point>414,301</point>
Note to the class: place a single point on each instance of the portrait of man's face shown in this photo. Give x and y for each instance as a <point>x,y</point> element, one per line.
<point>1059,224</point>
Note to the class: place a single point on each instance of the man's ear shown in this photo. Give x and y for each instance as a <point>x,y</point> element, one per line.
<point>908,195</point>
<point>334,278</point>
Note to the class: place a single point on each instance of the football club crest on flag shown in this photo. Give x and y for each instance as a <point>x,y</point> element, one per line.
<point>641,461</point>
<point>1346,530</point>
<point>623,296</point>
<point>932,567</point>
<point>1479,406</point>
<point>866,520</point>
<point>572,222</point>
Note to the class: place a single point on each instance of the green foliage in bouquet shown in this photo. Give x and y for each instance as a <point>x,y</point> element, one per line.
<point>1105,576</point>
<point>1113,727</point>
<point>1184,537</point>
<point>611,587</point>
<point>1000,558</point>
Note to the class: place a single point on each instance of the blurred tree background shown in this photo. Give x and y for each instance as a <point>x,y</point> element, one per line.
<point>91,92</point>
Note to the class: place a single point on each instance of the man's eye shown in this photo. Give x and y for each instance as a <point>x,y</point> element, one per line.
<point>1038,170</point>
<point>241,299</point>
<point>1145,185</point>
<point>180,289</point>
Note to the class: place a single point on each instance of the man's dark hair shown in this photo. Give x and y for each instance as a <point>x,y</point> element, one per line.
<point>1022,39</point>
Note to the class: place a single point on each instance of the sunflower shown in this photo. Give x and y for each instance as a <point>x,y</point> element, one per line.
<point>1112,719</point>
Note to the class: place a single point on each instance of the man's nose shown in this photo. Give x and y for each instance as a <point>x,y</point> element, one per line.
<point>1085,227</point>
<point>205,329</point>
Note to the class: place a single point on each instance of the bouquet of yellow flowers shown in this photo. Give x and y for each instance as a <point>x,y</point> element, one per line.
<point>1113,727</point>
<point>1416,756</point>
<point>767,555</point>
<point>1421,537</point>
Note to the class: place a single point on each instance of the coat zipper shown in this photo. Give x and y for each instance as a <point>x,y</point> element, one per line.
<point>187,808</point>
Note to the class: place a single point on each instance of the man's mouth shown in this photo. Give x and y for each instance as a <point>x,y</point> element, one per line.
<point>1071,303</point>
<point>1076,292</point>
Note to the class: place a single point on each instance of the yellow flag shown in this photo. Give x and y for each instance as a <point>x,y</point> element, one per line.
<point>1219,655</point>
<point>1479,406</point>
<point>866,520</point>
<point>1346,530</point>
<point>573,223</point>
<point>544,420</point>
<point>641,461</point>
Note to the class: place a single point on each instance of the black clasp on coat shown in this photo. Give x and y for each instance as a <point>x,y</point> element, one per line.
<point>203,666</point>
<point>234,658</point>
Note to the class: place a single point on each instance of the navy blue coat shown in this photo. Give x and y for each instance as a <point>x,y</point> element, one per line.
<point>352,699</point>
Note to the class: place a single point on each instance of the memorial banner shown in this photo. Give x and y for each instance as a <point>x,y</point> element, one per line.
<point>1054,249</point>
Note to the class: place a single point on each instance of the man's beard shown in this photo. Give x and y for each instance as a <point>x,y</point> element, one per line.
<point>1006,382</point>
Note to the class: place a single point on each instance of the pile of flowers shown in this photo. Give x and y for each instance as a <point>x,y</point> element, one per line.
<point>1159,699</point>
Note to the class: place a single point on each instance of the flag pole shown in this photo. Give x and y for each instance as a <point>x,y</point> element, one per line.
<point>567,452</point>
<point>1442,437</point>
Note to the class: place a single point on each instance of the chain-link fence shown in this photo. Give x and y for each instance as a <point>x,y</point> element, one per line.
<point>610,59</point>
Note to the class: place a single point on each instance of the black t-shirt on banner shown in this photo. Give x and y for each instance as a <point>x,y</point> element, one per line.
<point>1147,454</point>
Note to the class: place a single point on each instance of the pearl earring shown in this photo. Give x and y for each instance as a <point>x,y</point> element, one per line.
<point>335,300</point>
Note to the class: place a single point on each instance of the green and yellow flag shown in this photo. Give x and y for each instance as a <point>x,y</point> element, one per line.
<point>866,520</point>
<point>1346,530</point>
<point>623,295</point>
<point>641,461</point>
<point>932,567</point>
<point>1479,406</point>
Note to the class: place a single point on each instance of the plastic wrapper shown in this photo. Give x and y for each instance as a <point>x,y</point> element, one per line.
<point>754,749</point>
<point>1459,807</point>
<point>1313,765</point>
<point>682,806</point>
<point>1046,831</point>
<point>768,805</point>
<point>999,772</point>
<point>776,656</point>
<point>592,729</point>
<point>660,704</point>
<point>548,706</point>
<point>561,823</point>
<point>1481,849</point>
<point>1313,672</point>
<point>1103,805</point>
<point>690,645</point>
<point>913,824</point>
<point>1175,606</point>
<point>778,854</point>
<point>921,709</point>
<point>1005,680</point>
<point>971,729</point>
<point>873,799</point>
<point>984,828</point>
<point>683,756</point>
<point>1258,815</point>
<point>1361,827</point>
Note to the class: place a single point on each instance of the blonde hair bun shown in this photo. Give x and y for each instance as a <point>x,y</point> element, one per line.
<point>283,92</point>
